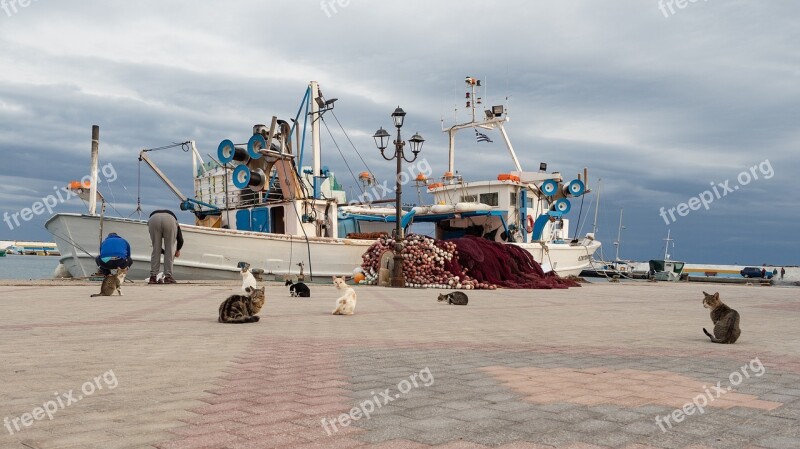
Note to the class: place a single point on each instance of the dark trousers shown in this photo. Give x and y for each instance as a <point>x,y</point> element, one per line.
<point>113,264</point>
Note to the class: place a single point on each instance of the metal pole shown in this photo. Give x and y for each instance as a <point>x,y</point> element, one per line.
<point>619,235</point>
<point>93,170</point>
<point>597,205</point>
<point>397,277</point>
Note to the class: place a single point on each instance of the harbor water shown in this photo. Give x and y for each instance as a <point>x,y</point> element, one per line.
<point>27,267</point>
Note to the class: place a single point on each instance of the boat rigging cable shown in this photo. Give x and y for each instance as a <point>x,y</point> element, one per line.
<point>342,155</point>
<point>184,146</point>
<point>352,145</point>
<point>71,242</point>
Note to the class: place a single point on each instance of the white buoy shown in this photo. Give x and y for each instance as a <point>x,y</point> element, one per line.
<point>61,272</point>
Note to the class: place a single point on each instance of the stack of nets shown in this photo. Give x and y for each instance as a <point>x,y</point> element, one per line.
<point>464,263</point>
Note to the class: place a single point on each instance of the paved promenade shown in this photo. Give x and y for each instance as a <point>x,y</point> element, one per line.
<point>602,366</point>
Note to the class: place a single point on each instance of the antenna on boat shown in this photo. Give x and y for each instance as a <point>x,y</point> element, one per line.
<point>666,245</point>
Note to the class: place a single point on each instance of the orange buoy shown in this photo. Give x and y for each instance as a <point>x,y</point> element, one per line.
<point>507,177</point>
<point>75,185</point>
<point>359,277</point>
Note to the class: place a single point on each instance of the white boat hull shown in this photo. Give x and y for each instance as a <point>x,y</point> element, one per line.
<point>207,253</point>
<point>563,258</point>
<point>211,253</point>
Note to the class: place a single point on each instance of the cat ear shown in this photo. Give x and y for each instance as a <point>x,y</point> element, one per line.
<point>716,295</point>
<point>706,293</point>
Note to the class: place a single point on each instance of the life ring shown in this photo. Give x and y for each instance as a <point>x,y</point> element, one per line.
<point>529,226</point>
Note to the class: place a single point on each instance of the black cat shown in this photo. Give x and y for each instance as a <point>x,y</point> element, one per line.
<point>299,289</point>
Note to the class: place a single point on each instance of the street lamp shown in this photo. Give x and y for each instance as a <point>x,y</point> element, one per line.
<point>382,142</point>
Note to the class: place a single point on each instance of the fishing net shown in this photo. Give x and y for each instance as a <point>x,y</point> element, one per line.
<point>468,262</point>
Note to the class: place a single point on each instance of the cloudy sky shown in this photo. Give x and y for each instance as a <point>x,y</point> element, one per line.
<point>662,103</point>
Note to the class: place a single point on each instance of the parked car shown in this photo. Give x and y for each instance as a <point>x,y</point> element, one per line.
<point>754,272</point>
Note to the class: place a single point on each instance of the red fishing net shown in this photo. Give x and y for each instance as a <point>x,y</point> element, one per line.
<point>468,262</point>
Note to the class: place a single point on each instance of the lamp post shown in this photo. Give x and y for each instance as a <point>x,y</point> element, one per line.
<point>382,141</point>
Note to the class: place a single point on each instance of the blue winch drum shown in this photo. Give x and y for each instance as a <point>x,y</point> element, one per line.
<point>241,176</point>
<point>549,187</point>
<point>256,142</point>
<point>575,188</point>
<point>562,205</point>
<point>227,152</point>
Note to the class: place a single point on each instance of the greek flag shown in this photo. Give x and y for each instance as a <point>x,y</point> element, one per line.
<point>481,137</point>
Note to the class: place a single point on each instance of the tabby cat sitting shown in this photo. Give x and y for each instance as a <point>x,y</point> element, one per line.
<point>239,309</point>
<point>112,283</point>
<point>725,319</point>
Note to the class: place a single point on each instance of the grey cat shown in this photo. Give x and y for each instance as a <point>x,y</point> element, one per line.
<point>725,319</point>
<point>112,283</point>
<point>457,298</point>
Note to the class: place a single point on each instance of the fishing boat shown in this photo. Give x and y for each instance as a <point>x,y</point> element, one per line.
<point>666,269</point>
<point>601,268</point>
<point>522,208</point>
<point>254,202</point>
<point>257,203</point>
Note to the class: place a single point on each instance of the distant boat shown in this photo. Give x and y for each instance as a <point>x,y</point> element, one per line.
<point>666,269</point>
<point>32,249</point>
<point>608,269</point>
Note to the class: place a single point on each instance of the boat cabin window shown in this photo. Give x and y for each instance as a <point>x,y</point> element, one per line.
<point>469,198</point>
<point>489,198</point>
<point>512,199</point>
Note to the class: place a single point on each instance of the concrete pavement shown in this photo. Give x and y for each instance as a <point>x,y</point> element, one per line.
<point>591,367</point>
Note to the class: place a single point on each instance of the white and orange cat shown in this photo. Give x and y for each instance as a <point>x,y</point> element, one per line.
<point>346,304</point>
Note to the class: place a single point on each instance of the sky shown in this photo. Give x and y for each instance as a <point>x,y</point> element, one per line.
<point>662,103</point>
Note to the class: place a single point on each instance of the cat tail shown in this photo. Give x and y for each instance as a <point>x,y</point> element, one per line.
<point>96,295</point>
<point>713,339</point>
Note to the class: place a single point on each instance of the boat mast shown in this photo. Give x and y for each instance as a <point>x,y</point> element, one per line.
<point>666,246</point>
<point>510,148</point>
<point>93,170</point>
<point>316,166</point>
<point>494,119</point>
<point>597,205</point>
<point>619,234</point>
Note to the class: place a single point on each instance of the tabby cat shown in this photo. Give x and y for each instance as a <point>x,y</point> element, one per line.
<point>346,304</point>
<point>112,283</point>
<point>457,298</point>
<point>242,308</point>
<point>725,319</point>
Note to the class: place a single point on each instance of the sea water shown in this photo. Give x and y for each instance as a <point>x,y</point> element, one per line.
<point>28,267</point>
